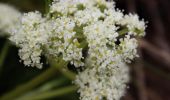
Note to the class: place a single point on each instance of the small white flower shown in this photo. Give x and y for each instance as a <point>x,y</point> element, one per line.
<point>128,48</point>
<point>134,25</point>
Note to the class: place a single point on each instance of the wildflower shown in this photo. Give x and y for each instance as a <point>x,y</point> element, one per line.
<point>88,34</point>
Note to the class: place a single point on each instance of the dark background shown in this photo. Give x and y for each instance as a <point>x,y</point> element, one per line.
<point>150,75</point>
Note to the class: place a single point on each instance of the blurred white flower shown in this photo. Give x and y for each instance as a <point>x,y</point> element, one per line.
<point>9,19</point>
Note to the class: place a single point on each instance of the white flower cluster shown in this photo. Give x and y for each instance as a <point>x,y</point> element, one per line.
<point>31,36</point>
<point>91,34</point>
<point>9,19</point>
<point>108,84</point>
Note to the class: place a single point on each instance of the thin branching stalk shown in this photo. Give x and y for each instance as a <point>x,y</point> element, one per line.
<point>30,85</point>
<point>4,53</point>
<point>40,79</point>
<point>47,3</point>
<point>61,66</point>
<point>51,94</point>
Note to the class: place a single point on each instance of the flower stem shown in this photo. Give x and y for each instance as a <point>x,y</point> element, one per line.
<point>67,73</point>
<point>30,85</point>
<point>4,54</point>
<point>61,67</point>
<point>51,94</point>
<point>123,31</point>
<point>40,79</point>
<point>47,3</point>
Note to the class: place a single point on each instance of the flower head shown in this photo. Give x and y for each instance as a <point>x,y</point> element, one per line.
<point>30,37</point>
<point>90,34</point>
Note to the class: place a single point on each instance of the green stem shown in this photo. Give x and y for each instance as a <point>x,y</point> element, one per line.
<point>83,44</point>
<point>30,85</point>
<point>3,55</point>
<point>51,94</point>
<point>47,87</point>
<point>47,4</point>
<point>123,31</point>
<point>51,85</point>
<point>39,79</point>
<point>67,73</point>
<point>61,66</point>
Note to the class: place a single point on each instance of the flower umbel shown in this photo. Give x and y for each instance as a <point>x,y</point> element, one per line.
<point>89,34</point>
<point>31,37</point>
